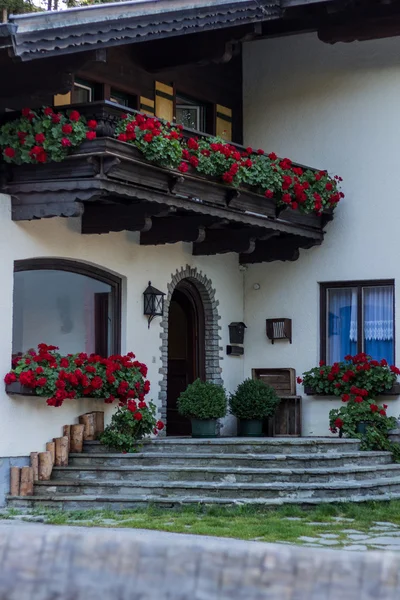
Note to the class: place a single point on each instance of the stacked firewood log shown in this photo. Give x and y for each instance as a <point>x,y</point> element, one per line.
<point>22,479</point>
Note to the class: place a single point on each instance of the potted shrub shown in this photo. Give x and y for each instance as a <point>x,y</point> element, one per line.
<point>203,403</point>
<point>252,402</point>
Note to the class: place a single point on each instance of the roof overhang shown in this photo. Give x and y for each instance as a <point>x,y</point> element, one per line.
<point>45,34</point>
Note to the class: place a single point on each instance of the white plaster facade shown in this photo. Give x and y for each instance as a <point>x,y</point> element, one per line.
<point>333,107</point>
<point>28,423</point>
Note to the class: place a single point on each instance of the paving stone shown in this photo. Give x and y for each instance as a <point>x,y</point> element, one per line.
<point>386,541</point>
<point>359,547</point>
<point>293,519</point>
<point>387,523</point>
<point>359,536</point>
<point>388,547</point>
<point>342,520</point>
<point>305,538</point>
<point>351,531</point>
<point>328,542</point>
<point>318,523</point>
<point>385,528</point>
<point>329,536</point>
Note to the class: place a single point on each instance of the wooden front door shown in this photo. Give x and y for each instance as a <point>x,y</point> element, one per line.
<point>186,360</point>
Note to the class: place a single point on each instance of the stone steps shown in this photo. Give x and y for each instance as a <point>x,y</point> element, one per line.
<point>201,489</point>
<point>239,446</point>
<point>117,503</point>
<point>161,473</point>
<point>229,471</point>
<point>199,459</point>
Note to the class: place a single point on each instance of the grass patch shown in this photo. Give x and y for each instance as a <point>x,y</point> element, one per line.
<point>241,522</point>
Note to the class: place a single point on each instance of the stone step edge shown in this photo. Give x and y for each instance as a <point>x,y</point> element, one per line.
<point>193,485</point>
<point>242,456</point>
<point>233,470</point>
<point>237,441</point>
<point>171,500</point>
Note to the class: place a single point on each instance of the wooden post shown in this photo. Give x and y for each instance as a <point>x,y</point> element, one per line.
<point>99,422</point>
<point>35,465</point>
<point>76,438</point>
<point>26,488</point>
<point>61,451</point>
<point>67,433</point>
<point>45,465</point>
<point>51,447</point>
<point>89,422</point>
<point>15,477</point>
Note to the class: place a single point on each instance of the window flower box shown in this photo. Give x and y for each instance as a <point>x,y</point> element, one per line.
<point>393,391</point>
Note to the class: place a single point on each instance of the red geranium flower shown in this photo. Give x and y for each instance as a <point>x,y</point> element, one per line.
<point>9,152</point>
<point>91,135</point>
<point>74,115</point>
<point>92,124</point>
<point>138,416</point>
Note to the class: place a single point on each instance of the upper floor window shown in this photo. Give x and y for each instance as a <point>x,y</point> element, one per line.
<point>357,317</point>
<point>190,113</point>
<point>67,304</point>
<point>123,99</point>
<point>82,92</point>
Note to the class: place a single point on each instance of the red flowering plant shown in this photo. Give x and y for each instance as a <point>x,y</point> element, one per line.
<point>377,425</point>
<point>159,142</point>
<point>357,375</point>
<point>129,424</point>
<point>41,136</point>
<point>116,378</point>
<point>278,179</point>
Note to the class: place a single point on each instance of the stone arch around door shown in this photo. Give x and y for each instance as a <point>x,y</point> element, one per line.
<point>211,334</point>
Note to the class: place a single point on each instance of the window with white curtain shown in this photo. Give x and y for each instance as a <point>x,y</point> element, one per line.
<point>357,317</point>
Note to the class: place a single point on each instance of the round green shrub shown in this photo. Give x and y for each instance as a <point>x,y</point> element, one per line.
<point>203,400</point>
<point>253,399</point>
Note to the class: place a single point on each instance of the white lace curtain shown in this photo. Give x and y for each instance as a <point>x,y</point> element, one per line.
<point>378,313</point>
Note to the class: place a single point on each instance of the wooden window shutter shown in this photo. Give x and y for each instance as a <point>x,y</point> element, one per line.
<point>223,124</point>
<point>62,99</point>
<point>164,101</point>
<point>146,106</point>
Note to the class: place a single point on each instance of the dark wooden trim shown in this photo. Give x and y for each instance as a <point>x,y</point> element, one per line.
<point>323,288</point>
<point>101,312</point>
<point>95,272</point>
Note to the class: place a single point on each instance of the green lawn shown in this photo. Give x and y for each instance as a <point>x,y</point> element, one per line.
<point>246,523</point>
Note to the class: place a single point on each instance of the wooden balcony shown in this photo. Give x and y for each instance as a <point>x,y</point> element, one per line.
<point>109,184</point>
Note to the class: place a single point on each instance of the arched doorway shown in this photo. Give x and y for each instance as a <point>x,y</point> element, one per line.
<point>186,350</point>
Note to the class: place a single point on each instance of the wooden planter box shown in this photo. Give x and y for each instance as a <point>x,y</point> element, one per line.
<point>21,390</point>
<point>287,420</point>
<point>394,391</point>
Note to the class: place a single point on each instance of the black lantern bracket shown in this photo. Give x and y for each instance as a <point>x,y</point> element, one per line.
<point>153,303</point>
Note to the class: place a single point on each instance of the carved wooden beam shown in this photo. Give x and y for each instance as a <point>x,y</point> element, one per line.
<point>169,230</point>
<point>103,218</point>
<point>284,247</point>
<point>221,241</point>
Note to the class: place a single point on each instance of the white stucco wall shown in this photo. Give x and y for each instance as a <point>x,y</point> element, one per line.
<point>26,424</point>
<point>337,108</point>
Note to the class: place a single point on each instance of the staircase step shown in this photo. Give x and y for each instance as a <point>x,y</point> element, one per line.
<point>242,446</point>
<point>199,459</point>
<point>201,489</point>
<point>161,473</point>
<point>120,502</point>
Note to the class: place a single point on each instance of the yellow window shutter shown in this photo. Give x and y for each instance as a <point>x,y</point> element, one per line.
<point>62,99</point>
<point>164,101</point>
<point>147,105</point>
<point>223,124</point>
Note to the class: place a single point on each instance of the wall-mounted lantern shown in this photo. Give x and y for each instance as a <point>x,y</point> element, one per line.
<point>153,303</point>
<point>236,332</point>
<point>279,329</point>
